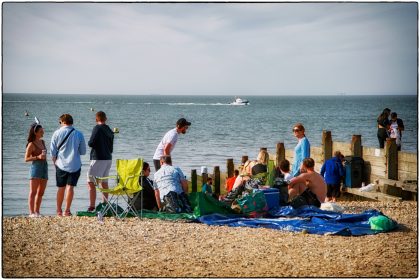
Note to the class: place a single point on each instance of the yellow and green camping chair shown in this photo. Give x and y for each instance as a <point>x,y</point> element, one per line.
<point>128,187</point>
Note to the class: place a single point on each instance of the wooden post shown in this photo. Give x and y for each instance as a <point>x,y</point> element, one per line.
<point>216,179</point>
<point>244,159</point>
<point>391,155</point>
<point>230,167</point>
<point>326,145</point>
<point>280,153</point>
<point>356,146</point>
<point>194,180</point>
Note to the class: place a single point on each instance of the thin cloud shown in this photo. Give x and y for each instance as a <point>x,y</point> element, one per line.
<point>212,48</point>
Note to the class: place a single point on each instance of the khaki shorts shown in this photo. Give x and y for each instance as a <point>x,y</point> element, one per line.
<point>98,168</point>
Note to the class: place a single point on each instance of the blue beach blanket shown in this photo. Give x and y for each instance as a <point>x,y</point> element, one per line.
<point>309,218</point>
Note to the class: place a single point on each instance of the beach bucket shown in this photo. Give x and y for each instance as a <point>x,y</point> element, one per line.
<point>203,169</point>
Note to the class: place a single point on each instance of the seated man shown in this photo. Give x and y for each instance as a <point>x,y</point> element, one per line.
<point>308,188</point>
<point>171,188</point>
<point>207,187</point>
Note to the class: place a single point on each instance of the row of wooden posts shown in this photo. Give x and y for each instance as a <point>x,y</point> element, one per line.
<point>326,153</point>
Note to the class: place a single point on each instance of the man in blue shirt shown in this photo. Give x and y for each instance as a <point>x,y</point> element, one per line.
<point>332,171</point>
<point>171,187</point>
<point>67,145</point>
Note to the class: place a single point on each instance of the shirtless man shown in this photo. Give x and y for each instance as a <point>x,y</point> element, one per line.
<point>308,179</point>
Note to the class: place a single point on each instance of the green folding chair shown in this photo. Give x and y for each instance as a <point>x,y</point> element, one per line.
<point>271,168</point>
<point>127,188</point>
<point>267,177</point>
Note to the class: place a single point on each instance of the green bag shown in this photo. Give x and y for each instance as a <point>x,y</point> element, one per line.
<point>253,204</point>
<point>382,223</point>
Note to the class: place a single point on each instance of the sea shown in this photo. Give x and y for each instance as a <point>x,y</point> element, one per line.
<point>219,131</point>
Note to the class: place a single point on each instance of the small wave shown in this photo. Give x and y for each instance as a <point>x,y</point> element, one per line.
<point>25,101</point>
<point>195,104</point>
<point>74,102</point>
<point>184,104</point>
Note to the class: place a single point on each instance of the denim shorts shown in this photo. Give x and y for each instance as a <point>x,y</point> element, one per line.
<point>39,170</point>
<point>66,178</point>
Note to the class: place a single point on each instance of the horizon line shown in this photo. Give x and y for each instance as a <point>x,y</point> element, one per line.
<point>216,94</point>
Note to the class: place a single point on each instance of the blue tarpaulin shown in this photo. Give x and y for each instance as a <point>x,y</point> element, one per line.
<point>309,218</point>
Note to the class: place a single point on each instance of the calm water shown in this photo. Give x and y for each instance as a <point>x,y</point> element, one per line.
<point>219,131</point>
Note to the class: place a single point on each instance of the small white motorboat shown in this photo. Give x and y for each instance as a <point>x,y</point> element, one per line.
<point>239,101</point>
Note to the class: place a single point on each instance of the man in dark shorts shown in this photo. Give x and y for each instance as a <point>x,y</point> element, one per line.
<point>308,188</point>
<point>67,145</point>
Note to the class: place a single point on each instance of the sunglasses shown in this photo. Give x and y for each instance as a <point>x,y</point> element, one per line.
<point>296,130</point>
<point>36,127</point>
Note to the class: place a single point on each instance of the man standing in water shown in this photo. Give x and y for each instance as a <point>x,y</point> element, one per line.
<point>167,144</point>
<point>101,141</point>
<point>67,145</point>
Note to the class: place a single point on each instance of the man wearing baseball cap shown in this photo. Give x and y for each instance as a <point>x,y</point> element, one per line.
<point>167,144</point>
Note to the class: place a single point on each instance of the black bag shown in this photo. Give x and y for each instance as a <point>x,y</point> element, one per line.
<point>171,204</point>
<point>252,184</point>
<point>282,186</point>
<point>305,198</point>
<point>176,203</point>
<point>233,194</point>
<point>185,203</point>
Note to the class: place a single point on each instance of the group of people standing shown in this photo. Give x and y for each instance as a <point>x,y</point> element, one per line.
<point>66,148</point>
<point>68,145</point>
<point>389,128</point>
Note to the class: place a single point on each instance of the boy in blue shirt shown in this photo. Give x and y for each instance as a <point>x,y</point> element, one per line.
<point>207,187</point>
<point>332,171</point>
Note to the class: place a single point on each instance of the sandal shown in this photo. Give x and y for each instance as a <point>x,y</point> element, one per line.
<point>67,213</point>
<point>59,213</point>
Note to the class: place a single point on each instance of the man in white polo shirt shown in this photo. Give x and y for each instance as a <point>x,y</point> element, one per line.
<point>167,144</point>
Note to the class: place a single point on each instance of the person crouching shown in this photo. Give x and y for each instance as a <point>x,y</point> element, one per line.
<point>170,188</point>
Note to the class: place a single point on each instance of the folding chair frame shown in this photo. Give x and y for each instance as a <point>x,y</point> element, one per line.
<point>126,197</point>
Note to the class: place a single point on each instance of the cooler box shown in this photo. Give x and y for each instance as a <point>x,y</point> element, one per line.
<point>272,196</point>
<point>354,172</point>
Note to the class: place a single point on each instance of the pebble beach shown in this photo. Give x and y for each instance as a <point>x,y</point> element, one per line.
<point>83,247</point>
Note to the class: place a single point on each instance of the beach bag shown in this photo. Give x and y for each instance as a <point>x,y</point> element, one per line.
<point>233,194</point>
<point>253,183</point>
<point>382,223</point>
<point>305,198</point>
<point>253,205</point>
<point>170,203</point>
<point>176,203</point>
<point>282,185</point>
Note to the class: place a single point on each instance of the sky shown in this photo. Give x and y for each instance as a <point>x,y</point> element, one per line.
<point>210,48</point>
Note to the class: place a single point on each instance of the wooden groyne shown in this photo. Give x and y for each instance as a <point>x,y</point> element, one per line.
<point>393,172</point>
